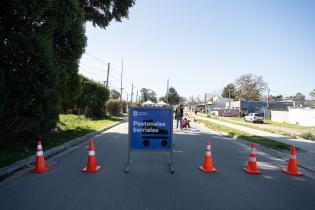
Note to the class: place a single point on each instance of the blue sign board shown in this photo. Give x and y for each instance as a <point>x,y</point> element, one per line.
<point>150,128</point>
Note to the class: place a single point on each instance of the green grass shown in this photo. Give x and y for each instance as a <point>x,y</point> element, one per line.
<point>305,131</point>
<point>246,136</point>
<point>69,127</point>
<point>254,126</point>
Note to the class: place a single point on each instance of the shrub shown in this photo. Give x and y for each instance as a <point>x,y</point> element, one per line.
<point>124,106</point>
<point>308,135</point>
<point>113,106</point>
<point>93,98</point>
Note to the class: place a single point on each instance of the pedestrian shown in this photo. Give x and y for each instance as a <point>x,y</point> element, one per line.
<point>179,116</point>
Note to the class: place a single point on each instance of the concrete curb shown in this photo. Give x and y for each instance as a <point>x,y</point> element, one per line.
<point>27,162</point>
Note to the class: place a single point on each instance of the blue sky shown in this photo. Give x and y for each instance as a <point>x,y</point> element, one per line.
<point>203,45</point>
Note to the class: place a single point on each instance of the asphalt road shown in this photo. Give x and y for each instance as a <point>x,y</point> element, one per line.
<point>149,185</point>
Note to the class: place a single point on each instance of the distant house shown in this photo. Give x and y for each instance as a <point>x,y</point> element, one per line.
<point>300,116</point>
<point>246,107</point>
<point>217,104</point>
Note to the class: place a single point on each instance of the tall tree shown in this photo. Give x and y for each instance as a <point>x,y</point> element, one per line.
<point>114,94</point>
<point>299,97</point>
<point>312,94</point>
<point>41,44</point>
<point>229,91</point>
<point>147,94</point>
<point>27,66</point>
<point>250,87</point>
<point>172,97</point>
<point>102,12</point>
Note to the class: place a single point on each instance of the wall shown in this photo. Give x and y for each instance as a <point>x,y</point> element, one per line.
<point>300,116</point>
<point>304,117</point>
<point>280,116</point>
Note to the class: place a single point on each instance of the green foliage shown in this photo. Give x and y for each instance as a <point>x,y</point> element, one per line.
<point>124,106</point>
<point>172,97</point>
<point>27,67</point>
<point>246,136</point>
<point>113,107</point>
<point>101,12</point>
<point>41,44</point>
<point>312,94</point>
<point>148,94</point>
<point>308,135</point>
<point>299,97</point>
<point>93,98</point>
<point>250,87</point>
<point>114,94</point>
<point>69,127</point>
<point>229,91</point>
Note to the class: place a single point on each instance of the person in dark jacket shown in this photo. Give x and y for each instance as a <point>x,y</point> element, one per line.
<point>179,116</point>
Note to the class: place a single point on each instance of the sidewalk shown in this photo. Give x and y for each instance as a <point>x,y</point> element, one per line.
<point>306,158</point>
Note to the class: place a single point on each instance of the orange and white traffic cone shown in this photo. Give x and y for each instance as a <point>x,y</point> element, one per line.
<point>91,164</point>
<point>292,168</point>
<point>251,164</point>
<point>40,165</point>
<point>207,163</point>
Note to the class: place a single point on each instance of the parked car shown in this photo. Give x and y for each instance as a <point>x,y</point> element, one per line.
<point>254,117</point>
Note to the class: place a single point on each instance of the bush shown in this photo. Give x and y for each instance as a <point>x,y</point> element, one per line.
<point>93,98</point>
<point>124,106</point>
<point>113,107</point>
<point>308,135</point>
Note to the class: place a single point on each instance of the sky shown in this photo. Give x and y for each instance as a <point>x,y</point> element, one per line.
<point>203,45</point>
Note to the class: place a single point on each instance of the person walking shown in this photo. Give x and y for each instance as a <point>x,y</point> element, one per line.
<point>179,116</point>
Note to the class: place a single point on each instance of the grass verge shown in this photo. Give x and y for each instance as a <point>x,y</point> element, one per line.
<point>69,127</point>
<point>246,136</point>
<point>242,123</point>
<point>304,134</point>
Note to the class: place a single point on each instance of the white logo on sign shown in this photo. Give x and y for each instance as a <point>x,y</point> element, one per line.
<point>135,113</point>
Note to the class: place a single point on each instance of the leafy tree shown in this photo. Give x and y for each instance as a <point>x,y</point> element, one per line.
<point>312,94</point>
<point>229,91</point>
<point>276,98</point>
<point>102,12</point>
<point>250,87</point>
<point>172,97</point>
<point>299,97</point>
<point>147,94</point>
<point>114,94</point>
<point>27,69</point>
<point>41,44</point>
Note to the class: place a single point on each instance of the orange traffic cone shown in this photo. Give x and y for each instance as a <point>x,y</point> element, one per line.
<point>292,168</point>
<point>251,164</point>
<point>207,163</point>
<point>91,164</point>
<point>40,165</point>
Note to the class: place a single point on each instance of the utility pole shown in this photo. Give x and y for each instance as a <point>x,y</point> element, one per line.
<point>205,103</point>
<point>131,92</point>
<point>127,98</point>
<point>268,98</point>
<point>167,87</point>
<point>267,104</point>
<point>137,97</point>
<point>229,98</point>
<point>121,76</point>
<point>108,67</point>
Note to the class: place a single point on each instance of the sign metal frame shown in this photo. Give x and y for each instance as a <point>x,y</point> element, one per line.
<point>171,150</point>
